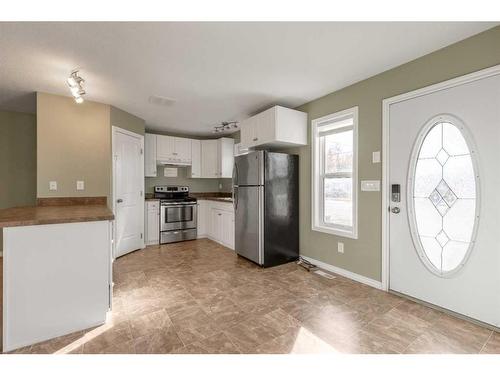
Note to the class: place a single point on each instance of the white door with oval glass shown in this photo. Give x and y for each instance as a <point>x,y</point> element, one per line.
<point>444,234</point>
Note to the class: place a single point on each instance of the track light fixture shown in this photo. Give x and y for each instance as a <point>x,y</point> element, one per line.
<point>75,84</point>
<point>225,125</point>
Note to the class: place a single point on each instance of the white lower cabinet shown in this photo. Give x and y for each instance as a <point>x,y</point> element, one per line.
<point>216,221</point>
<point>227,235</point>
<point>202,220</point>
<point>152,222</point>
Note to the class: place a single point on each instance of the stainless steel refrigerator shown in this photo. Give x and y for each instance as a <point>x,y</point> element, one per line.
<point>266,205</point>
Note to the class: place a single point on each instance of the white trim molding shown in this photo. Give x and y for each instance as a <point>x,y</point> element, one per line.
<point>336,122</point>
<point>342,272</point>
<point>386,103</point>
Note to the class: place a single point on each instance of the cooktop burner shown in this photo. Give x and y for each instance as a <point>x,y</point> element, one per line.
<point>173,194</point>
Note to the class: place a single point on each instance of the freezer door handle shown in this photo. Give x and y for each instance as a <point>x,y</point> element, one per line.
<point>261,225</point>
<point>235,198</point>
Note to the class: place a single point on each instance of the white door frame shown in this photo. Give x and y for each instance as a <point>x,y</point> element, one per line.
<point>386,103</point>
<point>114,130</point>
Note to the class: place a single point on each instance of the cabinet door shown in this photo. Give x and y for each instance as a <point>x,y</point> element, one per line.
<point>265,127</point>
<point>247,132</point>
<point>228,229</point>
<point>150,155</point>
<point>182,149</point>
<point>202,218</point>
<point>165,147</point>
<point>225,157</point>
<point>195,158</point>
<point>152,231</point>
<point>216,224</point>
<point>209,158</point>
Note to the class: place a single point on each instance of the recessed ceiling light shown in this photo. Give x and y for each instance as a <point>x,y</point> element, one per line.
<point>161,100</point>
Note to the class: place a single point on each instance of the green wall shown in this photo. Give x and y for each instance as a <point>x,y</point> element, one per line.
<point>17,159</point>
<point>364,256</point>
<point>196,185</point>
<point>126,121</point>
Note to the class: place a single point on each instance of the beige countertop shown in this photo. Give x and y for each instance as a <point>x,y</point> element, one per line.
<point>38,215</point>
<point>217,199</point>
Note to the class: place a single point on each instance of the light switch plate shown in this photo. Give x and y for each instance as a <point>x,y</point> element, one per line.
<point>52,185</point>
<point>370,185</point>
<point>376,157</point>
<point>80,185</point>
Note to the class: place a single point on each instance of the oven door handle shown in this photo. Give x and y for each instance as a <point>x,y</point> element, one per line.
<point>177,204</point>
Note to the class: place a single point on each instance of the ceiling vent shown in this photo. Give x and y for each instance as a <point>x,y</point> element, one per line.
<point>161,100</point>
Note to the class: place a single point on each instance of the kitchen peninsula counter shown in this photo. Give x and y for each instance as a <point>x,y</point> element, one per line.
<point>57,270</point>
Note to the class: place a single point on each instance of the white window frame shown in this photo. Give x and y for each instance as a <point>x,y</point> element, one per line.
<point>317,160</point>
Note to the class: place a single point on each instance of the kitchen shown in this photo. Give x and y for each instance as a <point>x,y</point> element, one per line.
<point>211,214</point>
<point>158,202</point>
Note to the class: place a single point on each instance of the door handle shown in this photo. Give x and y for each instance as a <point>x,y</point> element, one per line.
<point>395,210</point>
<point>119,200</point>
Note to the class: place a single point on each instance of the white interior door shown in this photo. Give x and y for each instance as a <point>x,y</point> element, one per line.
<point>444,242</point>
<point>128,187</point>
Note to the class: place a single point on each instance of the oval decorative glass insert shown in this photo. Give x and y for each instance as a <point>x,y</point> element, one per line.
<point>443,198</point>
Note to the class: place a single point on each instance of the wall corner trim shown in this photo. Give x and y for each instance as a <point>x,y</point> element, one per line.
<point>342,272</point>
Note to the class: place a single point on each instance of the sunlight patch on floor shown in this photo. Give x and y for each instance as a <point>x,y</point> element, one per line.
<point>308,343</point>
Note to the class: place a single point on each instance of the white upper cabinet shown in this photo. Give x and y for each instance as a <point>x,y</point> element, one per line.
<point>182,148</point>
<point>225,157</point>
<point>217,158</point>
<point>278,126</point>
<point>195,170</point>
<point>150,155</point>
<point>209,159</point>
<point>173,150</point>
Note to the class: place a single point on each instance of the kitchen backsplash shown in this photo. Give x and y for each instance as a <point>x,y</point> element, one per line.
<point>196,185</point>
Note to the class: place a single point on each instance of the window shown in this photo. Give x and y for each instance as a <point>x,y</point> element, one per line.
<point>335,181</point>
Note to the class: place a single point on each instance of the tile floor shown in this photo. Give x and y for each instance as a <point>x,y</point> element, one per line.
<point>199,297</point>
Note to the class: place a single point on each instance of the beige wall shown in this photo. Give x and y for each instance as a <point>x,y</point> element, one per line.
<point>74,143</point>
<point>363,256</point>
<point>17,159</point>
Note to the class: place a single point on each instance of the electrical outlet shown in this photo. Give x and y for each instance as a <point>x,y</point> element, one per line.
<point>340,247</point>
<point>80,185</point>
<point>52,185</point>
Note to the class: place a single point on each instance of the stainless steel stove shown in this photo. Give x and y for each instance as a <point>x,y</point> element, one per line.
<point>177,213</point>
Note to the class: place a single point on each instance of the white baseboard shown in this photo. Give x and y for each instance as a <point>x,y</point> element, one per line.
<point>342,272</point>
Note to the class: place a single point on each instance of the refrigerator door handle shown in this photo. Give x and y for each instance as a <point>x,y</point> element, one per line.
<point>235,198</point>
<point>235,174</point>
<point>261,225</point>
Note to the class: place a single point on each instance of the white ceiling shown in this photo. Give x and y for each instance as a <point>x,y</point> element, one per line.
<point>215,71</point>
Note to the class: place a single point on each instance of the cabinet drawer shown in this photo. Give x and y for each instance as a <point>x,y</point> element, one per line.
<point>152,205</point>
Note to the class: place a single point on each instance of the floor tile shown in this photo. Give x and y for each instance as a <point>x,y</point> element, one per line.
<point>199,297</point>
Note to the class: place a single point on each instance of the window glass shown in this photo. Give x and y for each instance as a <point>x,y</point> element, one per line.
<point>444,197</point>
<point>338,201</point>
<point>338,152</point>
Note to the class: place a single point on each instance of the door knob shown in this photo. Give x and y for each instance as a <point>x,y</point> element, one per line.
<point>119,200</point>
<point>395,210</point>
